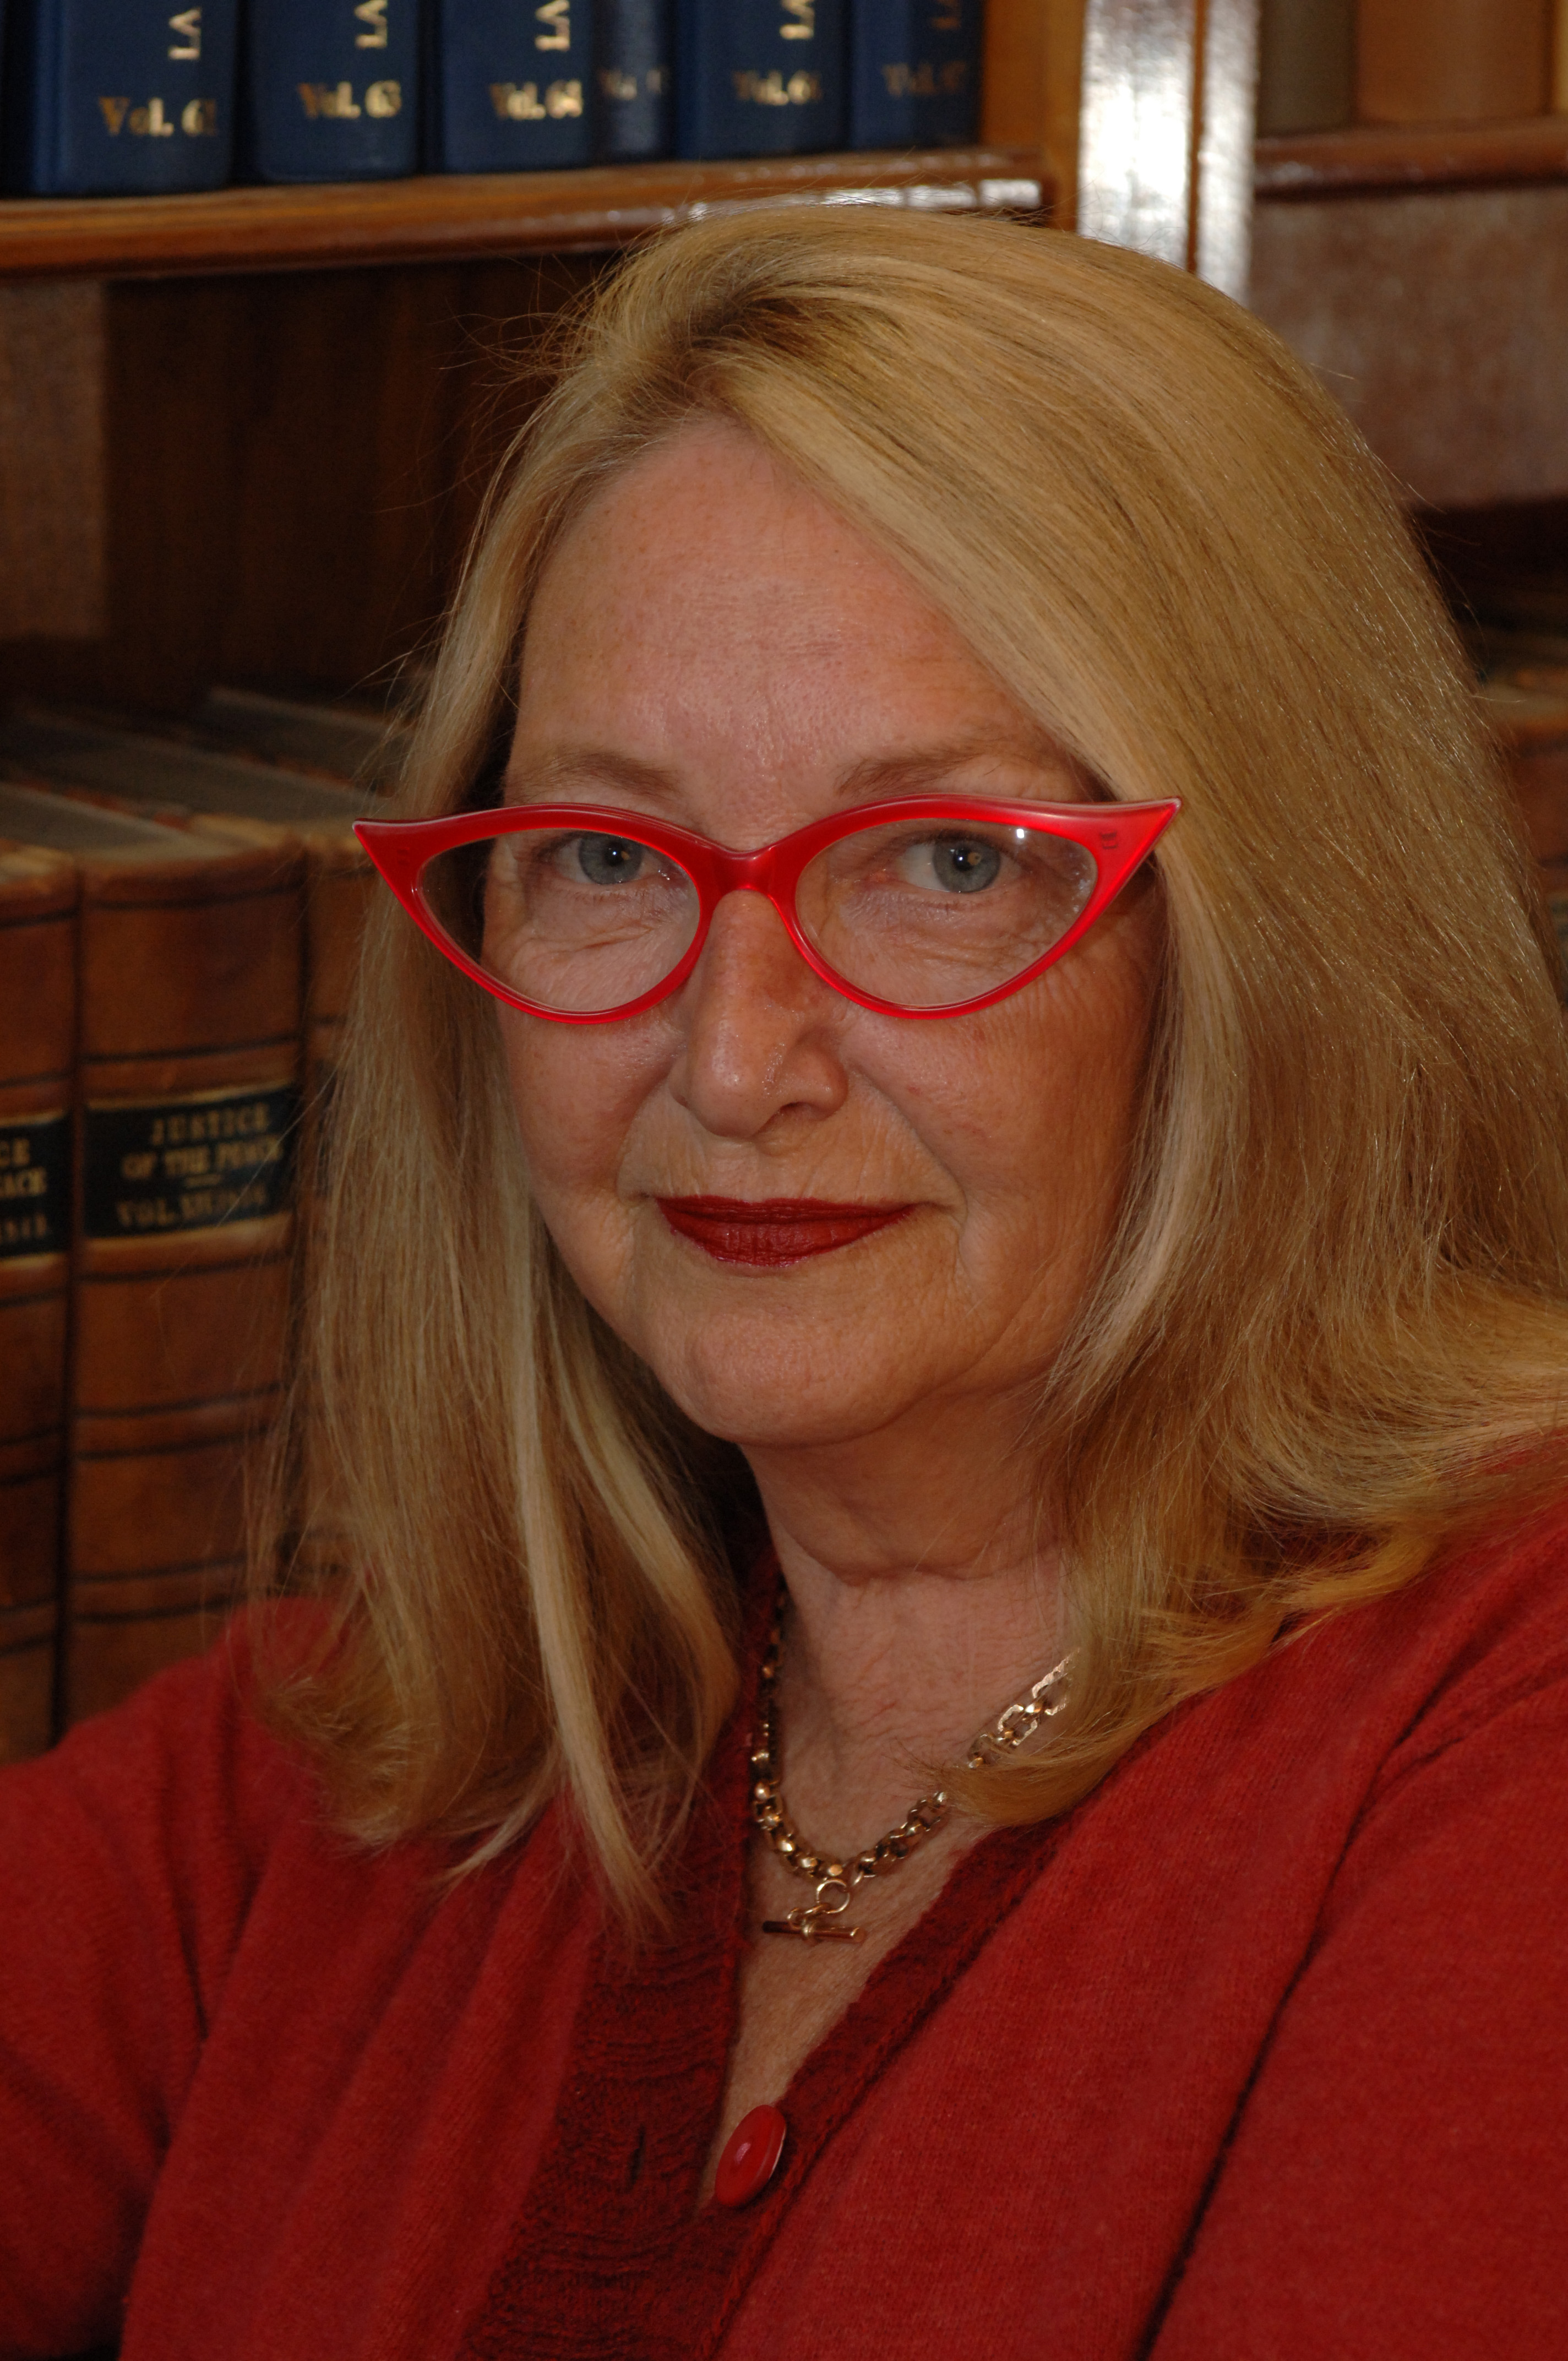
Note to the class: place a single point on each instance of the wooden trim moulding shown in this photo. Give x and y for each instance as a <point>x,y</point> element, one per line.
<point>1390,157</point>
<point>453,217</point>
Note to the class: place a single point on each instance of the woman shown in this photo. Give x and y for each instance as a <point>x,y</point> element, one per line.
<point>1042,1295</point>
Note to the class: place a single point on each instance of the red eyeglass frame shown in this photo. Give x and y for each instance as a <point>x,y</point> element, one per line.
<point>1116,836</point>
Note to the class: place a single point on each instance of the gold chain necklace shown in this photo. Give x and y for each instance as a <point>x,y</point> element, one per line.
<point>816,1922</point>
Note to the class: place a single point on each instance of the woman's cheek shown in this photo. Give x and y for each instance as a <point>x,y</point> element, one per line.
<point>577,1091</point>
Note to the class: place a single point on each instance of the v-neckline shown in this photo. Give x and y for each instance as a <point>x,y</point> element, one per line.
<point>610,2253</point>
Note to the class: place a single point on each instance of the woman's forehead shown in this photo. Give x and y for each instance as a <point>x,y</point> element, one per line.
<point>708,606</point>
<point>707,537</point>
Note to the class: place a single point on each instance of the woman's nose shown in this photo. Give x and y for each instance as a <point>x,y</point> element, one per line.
<point>760,1030</point>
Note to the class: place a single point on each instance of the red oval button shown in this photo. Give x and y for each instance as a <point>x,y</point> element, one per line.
<point>751,2156</point>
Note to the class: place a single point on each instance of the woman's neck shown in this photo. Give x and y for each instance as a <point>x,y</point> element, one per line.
<point>921,1601</point>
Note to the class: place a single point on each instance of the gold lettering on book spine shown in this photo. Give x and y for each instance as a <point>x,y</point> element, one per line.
<point>800,20</point>
<point>26,1233</point>
<point>522,102</point>
<point>222,1157</point>
<point>927,81</point>
<point>321,102</point>
<point>556,15</point>
<point>35,1185</point>
<point>186,26</point>
<point>772,89</point>
<point>152,121</point>
<point>621,87</point>
<point>372,14</point>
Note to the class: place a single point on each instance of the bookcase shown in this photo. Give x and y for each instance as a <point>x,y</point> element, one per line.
<point>244,436</point>
<point>242,439</point>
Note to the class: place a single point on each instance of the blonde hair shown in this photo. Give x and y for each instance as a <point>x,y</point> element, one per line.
<point>1330,1331</point>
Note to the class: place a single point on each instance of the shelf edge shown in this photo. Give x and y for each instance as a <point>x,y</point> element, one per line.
<point>1367,159</point>
<point>453,218</point>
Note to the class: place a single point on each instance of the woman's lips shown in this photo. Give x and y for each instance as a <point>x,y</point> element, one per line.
<point>773,1230</point>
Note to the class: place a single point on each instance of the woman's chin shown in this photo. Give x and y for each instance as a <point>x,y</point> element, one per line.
<point>812,1394</point>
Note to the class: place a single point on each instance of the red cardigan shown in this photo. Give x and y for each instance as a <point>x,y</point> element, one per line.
<point>1261,2052</point>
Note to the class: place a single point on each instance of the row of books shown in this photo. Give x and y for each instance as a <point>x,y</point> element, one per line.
<point>179,916</point>
<point>1328,63</point>
<point>108,97</point>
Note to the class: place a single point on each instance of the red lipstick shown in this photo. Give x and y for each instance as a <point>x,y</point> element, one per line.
<point>770,1230</point>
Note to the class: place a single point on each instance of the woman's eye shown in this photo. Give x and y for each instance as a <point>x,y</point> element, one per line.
<point>600,860</point>
<point>952,864</point>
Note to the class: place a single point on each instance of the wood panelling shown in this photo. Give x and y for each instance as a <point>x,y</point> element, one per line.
<point>269,475</point>
<point>293,466</point>
<point>53,555</point>
<point>1507,564</point>
<point>1032,87</point>
<point>1452,61</point>
<point>1013,73</point>
<point>1441,321</point>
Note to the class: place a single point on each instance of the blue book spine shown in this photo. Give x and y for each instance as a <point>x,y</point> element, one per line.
<point>914,73</point>
<point>634,79</point>
<point>118,98</point>
<point>332,89</point>
<point>514,84</point>
<point>759,77</point>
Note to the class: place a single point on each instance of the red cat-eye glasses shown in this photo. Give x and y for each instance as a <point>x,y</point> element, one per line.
<point>929,906</point>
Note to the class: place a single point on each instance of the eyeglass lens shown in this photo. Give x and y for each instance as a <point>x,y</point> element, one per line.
<point>915,913</point>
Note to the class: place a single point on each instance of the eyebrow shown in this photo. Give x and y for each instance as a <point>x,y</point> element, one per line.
<point>920,771</point>
<point>542,782</point>
<point>917,771</point>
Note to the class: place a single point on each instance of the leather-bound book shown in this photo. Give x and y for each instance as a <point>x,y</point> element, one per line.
<point>634,79</point>
<point>914,73</point>
<point>759,77</point>
<point>103,98</point>
<point>330,89</point>
<point>512,87</point>
<point>1306,65</point>
<point>37,993</point>
<point>333,738</point>
<point>176,782</point>
<point>187,1114</point>
<point>184,786</point>
<point>1452,61</point>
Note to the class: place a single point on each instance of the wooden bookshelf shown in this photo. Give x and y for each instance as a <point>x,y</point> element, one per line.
<point>245,436</point>
<point>1392,158</point>
<point>460,217</point>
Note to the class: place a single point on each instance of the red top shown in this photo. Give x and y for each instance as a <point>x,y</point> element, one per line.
<point>1263,2050</point>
